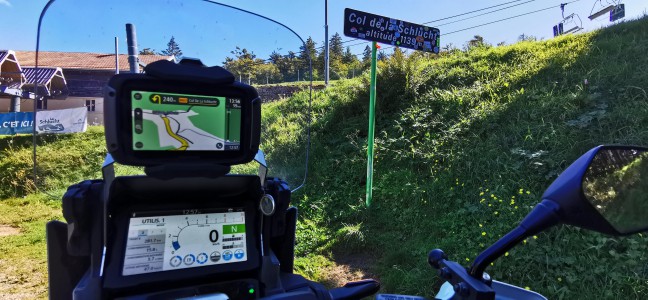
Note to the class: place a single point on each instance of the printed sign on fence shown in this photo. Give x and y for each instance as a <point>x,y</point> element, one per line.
<point>16,122</point>
<point>62,120</point>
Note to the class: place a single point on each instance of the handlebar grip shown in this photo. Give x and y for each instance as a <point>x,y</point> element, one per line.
<point>355,290</point>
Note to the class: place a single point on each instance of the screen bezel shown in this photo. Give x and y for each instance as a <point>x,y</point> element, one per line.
<point>118,120</point>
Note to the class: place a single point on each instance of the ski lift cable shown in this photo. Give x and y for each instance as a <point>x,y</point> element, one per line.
<point>464,29</point>
<point>483,14</point>
<point>497,21</point>
<point>459,15</point>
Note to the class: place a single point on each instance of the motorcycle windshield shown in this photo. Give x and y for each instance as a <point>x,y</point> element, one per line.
<point>81,44</point>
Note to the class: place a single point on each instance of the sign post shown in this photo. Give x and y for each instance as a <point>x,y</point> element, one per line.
<point>372,123</point>
<point>398,33</point>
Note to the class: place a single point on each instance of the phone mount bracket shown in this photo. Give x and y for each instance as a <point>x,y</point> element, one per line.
<point>170,171</point>
<point>108,174</point>
<point>263,167</point>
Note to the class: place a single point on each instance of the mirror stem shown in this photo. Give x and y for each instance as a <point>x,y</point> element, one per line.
<point>543,216</point>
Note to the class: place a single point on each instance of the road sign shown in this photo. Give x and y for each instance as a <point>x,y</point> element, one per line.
<point>375,28</point>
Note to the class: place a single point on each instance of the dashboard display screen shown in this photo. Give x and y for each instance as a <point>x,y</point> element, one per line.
<point>183,122</point>
<point>181,240</point>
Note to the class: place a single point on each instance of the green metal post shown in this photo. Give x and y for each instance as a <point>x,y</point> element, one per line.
<point>372,123</point>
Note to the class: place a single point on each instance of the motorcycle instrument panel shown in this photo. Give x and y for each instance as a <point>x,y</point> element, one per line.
<point>184,239</point>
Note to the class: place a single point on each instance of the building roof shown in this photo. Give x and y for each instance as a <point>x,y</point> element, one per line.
<point>11,77</point>
<point>44,74</point>
<point>82,60</point>
<point>51,82</point>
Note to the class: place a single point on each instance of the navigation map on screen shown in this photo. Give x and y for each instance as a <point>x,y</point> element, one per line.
<point>182,122</point>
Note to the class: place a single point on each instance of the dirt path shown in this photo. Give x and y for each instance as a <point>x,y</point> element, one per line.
<point>6,230</point>
<point>16,282</point>
<point>349,267</point>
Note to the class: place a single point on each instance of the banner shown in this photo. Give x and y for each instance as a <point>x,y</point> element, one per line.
<point>16,122</point>
<point>62,120</point>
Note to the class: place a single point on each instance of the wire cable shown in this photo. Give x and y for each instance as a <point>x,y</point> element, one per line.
<point>496,21</point>
<point>501,20</point>
<point>459,15</point>
<point>483,14</point>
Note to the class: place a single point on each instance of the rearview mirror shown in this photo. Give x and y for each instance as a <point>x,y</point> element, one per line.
<point>604,190</point>
<point>616,185</point>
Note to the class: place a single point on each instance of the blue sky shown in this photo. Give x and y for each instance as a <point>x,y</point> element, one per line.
<point>211,32</point>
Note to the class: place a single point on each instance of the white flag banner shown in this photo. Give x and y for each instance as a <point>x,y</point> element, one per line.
<point>62,120</point>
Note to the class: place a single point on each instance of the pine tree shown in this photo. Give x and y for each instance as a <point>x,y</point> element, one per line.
<point>335,47</point>
<point>172,49</point>
<point>366,55</point>
<point>348,57</point>
<point>307,52</point>
<point>382,56</point>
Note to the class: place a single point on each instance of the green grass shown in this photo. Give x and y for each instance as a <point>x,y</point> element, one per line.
<point>23,259</point>
<point>465,146</point>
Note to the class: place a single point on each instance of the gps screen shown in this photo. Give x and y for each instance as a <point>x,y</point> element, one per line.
<point>183,122</point>
<point>164,242</point>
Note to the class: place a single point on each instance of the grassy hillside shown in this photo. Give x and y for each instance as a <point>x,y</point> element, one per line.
<point>466,143</point>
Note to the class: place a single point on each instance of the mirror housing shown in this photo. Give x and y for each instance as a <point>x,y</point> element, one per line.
<point>567,192</point>
<point>575,207</point>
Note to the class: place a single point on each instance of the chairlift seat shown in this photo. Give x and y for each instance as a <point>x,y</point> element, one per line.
<point>572,30</point>
<point>601,12</point>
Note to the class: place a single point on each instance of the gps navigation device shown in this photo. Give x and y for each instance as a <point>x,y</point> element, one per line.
<point>165,116</point>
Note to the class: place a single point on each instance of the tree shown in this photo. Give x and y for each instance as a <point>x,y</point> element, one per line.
<point>147,51</point>
<point>476,42</point>
<point>449,47</point>
<point>286,65</point>
<point>523,37</point>
<point>382,56</point>
<point>398,55</point>
<point>348,57</point>
<point>172,49</point>
<point>335,47</point>
<point>268,73</point>
<point>243,65</point>
<point>366,55</point>
<point>307,52</point>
